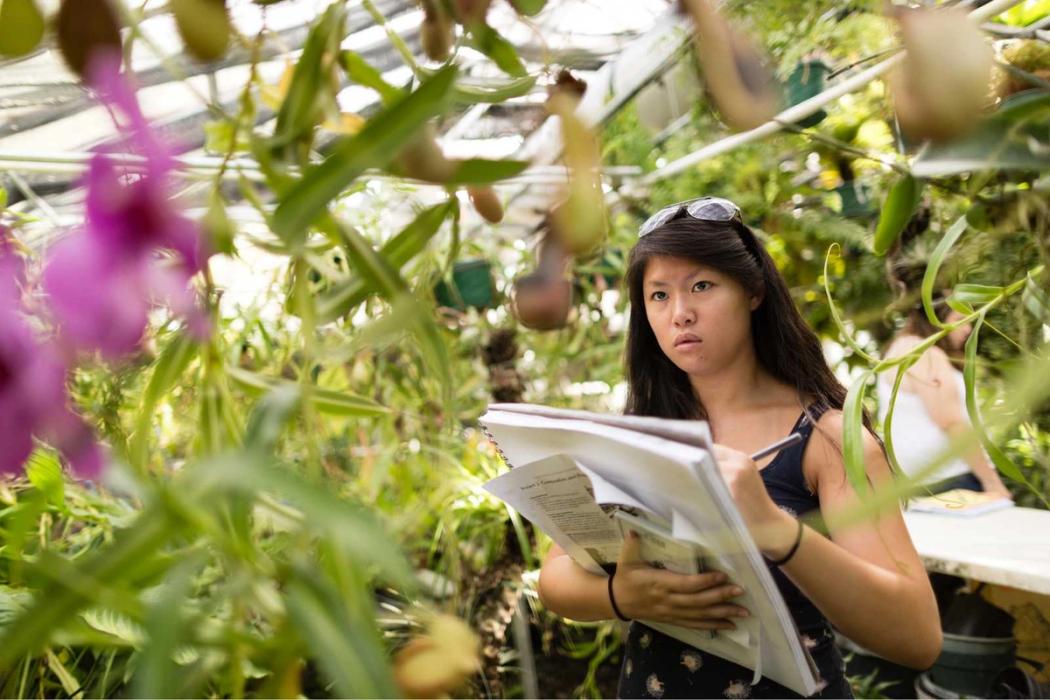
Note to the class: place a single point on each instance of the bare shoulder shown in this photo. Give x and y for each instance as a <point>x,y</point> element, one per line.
<point>902,344</point>
<point>823,464</point>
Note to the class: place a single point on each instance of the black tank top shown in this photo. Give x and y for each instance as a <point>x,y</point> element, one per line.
<point>658,666</point>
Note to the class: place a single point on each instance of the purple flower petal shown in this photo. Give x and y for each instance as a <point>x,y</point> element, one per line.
<point>74,439</point>
<point>117,91</point>
<point>33,398</point>
<point>100,302</point>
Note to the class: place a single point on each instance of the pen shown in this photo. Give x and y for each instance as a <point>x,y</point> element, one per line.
<point>792,439</point>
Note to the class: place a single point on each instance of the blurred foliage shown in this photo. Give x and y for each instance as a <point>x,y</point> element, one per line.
<point>292,501</point>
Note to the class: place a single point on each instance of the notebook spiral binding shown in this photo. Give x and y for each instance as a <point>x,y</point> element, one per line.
<point>492,439</point>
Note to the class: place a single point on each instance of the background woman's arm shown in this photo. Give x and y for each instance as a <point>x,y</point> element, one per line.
<point>936,384</point>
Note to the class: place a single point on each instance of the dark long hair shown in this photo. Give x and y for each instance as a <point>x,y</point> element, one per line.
<point>784,345</point>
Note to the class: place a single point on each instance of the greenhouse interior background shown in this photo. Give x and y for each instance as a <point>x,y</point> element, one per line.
<point>265,264</point>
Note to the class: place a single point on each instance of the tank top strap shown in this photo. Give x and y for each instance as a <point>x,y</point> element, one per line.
<point>809,417</point>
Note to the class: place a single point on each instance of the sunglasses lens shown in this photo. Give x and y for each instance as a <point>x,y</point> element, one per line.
<point>658,219</point>
<point>704,209</point>
<point>714,209</point>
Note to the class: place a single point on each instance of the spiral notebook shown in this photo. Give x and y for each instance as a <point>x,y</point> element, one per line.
<point>572,470</point>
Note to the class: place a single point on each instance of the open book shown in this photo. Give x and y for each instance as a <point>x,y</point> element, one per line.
<point>584,478</point>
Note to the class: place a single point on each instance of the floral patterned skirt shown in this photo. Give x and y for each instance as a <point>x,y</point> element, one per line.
<point>658,666</point>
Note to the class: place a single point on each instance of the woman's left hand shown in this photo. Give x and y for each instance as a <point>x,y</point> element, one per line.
<point>769,525</point>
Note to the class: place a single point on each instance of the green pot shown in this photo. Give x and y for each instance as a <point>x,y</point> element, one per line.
<point>968,665</point>
<point>472,286</point>
<point>809,79</point>
<point>856,200</point>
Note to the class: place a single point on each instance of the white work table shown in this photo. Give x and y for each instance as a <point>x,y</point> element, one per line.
<point>1009,547</point>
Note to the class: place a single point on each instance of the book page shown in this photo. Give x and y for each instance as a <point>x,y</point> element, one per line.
<point>556,496</point>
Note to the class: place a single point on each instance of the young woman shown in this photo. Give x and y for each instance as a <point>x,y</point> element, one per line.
<point>714,335</point>
<point>931,403</point>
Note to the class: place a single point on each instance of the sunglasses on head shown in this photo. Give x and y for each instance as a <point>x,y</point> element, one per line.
<point>701,209</point>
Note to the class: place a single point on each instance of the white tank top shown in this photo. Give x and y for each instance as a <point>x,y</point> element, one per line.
<point>916,438</point>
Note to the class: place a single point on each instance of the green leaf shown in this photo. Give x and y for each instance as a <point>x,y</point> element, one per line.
<point>1000,460</point>
<point>835,312</point>
<point>59,600</point>
<point>379,275</point>
<point>887,423</point>
<point>853,434</point>
<point>407,244</point>
<point>303,106</point>
<point>929,279</point>
<point>363,73</point>
<point>489,42</point>
<point>69,682</point>
<point>958,305</point>
<point>45,473</point>
<point>173,361</point>
<point>1036,300</point>
<point>351,658</point>
<point>479,171</point>
<point>168,627</point>
<point>115,624</point>
<point>373,268</point>
<point>350,526</point>
<point>336,403</point>
<point>219,137</point>
<point>898,208</point>
<point>491,91</point>
<point>1014,138</point>
<point>271,413</point>
<point>373,146</point>
<point>975,293</point>
<point>21,27</point>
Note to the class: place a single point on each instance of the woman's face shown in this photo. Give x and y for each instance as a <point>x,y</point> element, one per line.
<point>701,317</point>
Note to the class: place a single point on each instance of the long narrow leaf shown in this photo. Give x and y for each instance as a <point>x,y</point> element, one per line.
<point>1036,300</point>
<point>480,171</point>
<point>835,312</point>
<point>362,72</point>
<point>300,109</point>
<point>929,279</point>
<point>357,668</point>
<point>975,293</point>
<point>397,252</point>
<point>887,423</point>
<point>382,277</point>
<point>173,361</point>
<point>853,434</point>
<point>489,42</point>
<point>373,146</point>
<point>352,527</point>
<point>57,603</point>
<point>335,403</point>
<point>1000,460</point>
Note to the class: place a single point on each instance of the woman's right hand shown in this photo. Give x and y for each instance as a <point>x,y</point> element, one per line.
<point>699,601</point>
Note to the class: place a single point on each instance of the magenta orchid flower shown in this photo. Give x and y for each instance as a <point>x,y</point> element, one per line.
<point>103,279</point>
<point>33,398</point>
